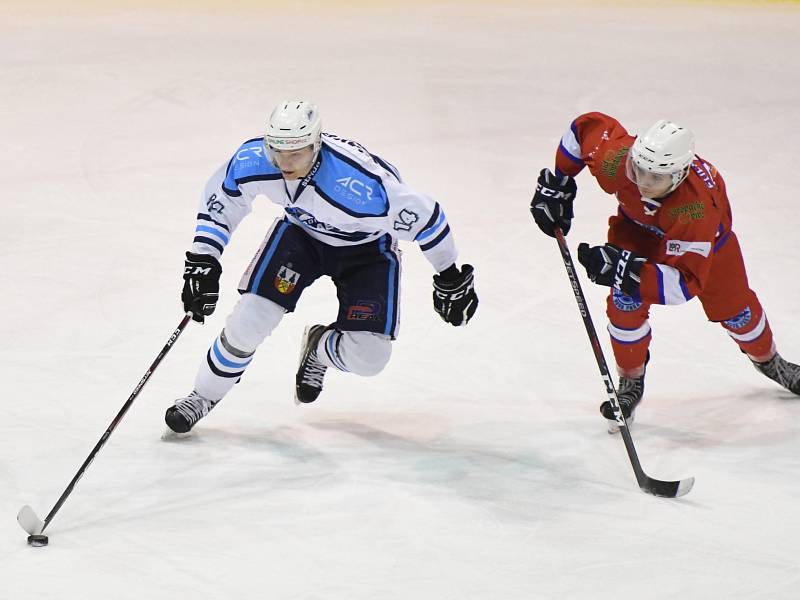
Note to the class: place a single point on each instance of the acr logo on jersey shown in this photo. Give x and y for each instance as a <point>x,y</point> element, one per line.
<point>406,220</point>
<point>680,247</point>
<point>355,189</point>
<point>250,152</point>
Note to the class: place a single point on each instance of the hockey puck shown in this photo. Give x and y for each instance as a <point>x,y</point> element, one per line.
<point>38,540</point>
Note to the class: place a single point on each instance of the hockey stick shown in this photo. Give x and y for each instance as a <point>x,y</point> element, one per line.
<point>657,487</point>
<point>27,517</point>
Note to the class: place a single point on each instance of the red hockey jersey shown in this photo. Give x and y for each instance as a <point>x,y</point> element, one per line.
<point>686,227</point>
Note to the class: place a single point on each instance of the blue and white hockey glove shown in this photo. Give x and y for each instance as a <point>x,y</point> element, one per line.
<point>551,206</point>
<point>612,266</point>
<point>201,275</point>
<point>454,296</point>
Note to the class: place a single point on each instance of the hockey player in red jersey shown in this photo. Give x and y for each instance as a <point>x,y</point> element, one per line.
<point>671,240</point>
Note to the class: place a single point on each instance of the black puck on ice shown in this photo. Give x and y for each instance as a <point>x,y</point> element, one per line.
<point>38,540</point>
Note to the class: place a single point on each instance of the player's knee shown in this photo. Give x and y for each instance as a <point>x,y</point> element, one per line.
<point>253,319</point>
<point>365,353</point>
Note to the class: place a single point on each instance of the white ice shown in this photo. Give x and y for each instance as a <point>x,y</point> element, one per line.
<point>477,466</point>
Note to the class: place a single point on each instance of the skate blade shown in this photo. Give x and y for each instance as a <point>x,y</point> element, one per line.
<point>614,428</point>
<point>173,436</point>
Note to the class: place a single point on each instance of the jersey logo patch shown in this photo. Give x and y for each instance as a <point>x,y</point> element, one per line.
<point>364,311</point>
<point>695,211</point>
<point>354,190</point>
<point>612,160</point>
<point>680,247</point>
<point>286,280</point>
<point>406,220</point>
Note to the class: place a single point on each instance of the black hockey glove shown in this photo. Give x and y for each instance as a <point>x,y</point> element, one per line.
<point>551,206</point>
<point>200,285</point>
<point>612,266</point>
<point>454,296</point>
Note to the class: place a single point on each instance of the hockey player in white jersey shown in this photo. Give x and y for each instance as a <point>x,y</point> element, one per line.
<point>345,210</point>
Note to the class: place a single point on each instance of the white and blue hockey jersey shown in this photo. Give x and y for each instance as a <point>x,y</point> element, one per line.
<point>349,197</point>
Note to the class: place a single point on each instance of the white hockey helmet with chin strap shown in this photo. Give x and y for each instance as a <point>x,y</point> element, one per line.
<point>664,149</point>
<point>294,124</point>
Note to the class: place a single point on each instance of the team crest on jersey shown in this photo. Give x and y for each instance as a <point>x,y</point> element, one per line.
<point>624,302</point>
<point>694,211</point>
<point>286,280</point>
<point>740,320</point>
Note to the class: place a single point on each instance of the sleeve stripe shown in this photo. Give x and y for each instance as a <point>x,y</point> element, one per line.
<point>567,153</point>
<point>212,231</point>
<point>432,220</point>
<point>426,233</point>
<point>205,217</point>
<point>436,241</point>
<point>213,243</point>
<point>570,145</point>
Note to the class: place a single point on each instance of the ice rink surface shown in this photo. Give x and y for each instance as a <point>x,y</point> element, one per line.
<point>476,467</point>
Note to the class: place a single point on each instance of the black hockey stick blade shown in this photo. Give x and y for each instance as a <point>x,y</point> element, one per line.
<point>28,520</point>
<point>666,489</point>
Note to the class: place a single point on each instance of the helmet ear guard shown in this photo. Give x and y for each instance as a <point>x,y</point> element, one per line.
<point>664,149</point>
<point>293,124</point>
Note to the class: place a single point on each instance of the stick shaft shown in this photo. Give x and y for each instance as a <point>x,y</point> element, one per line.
<point>120,415</point>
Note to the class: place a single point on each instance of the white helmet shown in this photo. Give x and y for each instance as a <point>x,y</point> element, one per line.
<point>664,149</point>
<point>294,124</point>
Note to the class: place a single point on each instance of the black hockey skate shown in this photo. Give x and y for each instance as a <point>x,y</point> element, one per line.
<point>187,411</point>
<point>629,393</point>
<point>781,371</point>
<point>310,371</point>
